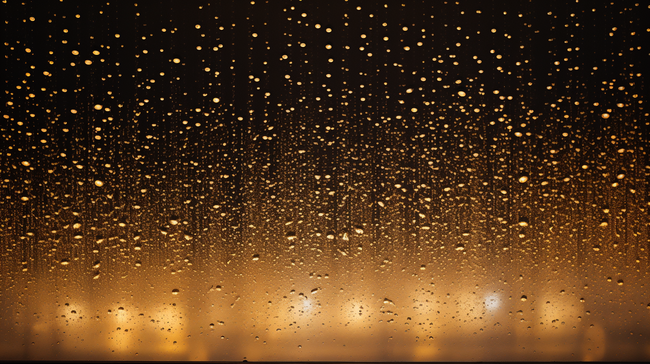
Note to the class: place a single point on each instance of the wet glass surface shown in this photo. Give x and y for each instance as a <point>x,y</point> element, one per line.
<point>325,181</point>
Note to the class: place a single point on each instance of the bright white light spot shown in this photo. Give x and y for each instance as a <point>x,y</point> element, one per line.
<point>492,302</point>
<point>306,305</point>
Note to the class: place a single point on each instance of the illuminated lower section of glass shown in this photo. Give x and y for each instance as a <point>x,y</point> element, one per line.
<point>354,309</point>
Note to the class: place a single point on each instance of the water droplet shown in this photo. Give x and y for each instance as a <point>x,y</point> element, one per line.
<point>256,257</point>
<point>99,183</point>
<point>65,261</point>
<point>175,291</point>
<point>460,247</point>
<point>99,107</point>
<point>619,282</point>
<point>524,298</point>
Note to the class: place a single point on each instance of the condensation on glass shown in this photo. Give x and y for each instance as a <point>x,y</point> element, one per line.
<point>344,180</point>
